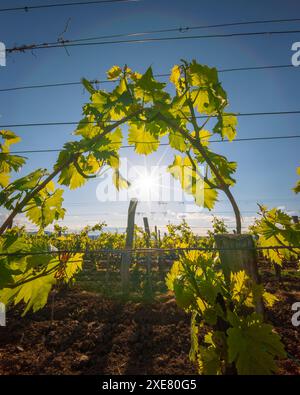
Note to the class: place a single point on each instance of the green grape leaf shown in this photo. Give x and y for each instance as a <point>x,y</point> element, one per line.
<point>142,139</point>
<point>33,293</point>
<point>225,168</point>
<point>39,273</point>
<point>4,179</point>
<point>73,266</point>
<point>239,285</point>
<point>253,346</point>
<point>204,137</point>
<point>297,187</point>
<point>148,83</point>
<point>148,89</point>
<point>210,197</point>
<point>9,137</point>
<point>125,99</point>
<point>192,182</point>
<point>210,316</point>
<point>175,77</point>
<point>45,207</point>
<point>30,181</point>
<point>88,86</point>
<point>276,229</point>
<point>200,99</point>
<point>269,299</point>
<point>209,360</point>
<point>115,139</point>
<point>100,101</point>
<point>114,72</point>
<point>5,273</point>
<point>87,129</point>
<point>70,177</point>
<point>8,162</point>
<point>177,141</point>
<point>201,75</point>
<point>119,181</point>
<point>226,126</point>
<point>183,294</point>
<point>175,272</point>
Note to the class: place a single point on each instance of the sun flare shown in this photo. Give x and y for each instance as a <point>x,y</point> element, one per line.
<point>145,182</point>
<point>145,185</point>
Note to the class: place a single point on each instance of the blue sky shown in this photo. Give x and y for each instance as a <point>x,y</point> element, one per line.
<point>266,170</point>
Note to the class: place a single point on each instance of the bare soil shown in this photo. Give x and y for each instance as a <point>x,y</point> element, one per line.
<point>89,334</point>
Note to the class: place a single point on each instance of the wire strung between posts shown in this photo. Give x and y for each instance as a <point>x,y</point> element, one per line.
<point>34,7</point>
<point>95,81</point>
<point>238,114</point>
<point>160,144</point>
<point>151,40</point>
<point>144,250</point>
<point>155,31</point>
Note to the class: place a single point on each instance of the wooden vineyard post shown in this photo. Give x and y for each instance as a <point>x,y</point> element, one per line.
<point>237,252</point>
<point>147,230</point>
<point>148,257</point>
<point>126,256</point>
<point>160,258</point>
<point>156,236</point>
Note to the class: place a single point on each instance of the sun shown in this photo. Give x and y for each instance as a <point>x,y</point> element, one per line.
<point>146,181</point>
<point>145,185</point>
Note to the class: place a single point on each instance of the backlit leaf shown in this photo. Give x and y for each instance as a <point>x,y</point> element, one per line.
<point>226,126</point>
<point>114,72</point>
<point>253,346</point>
<point>142,139</point>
